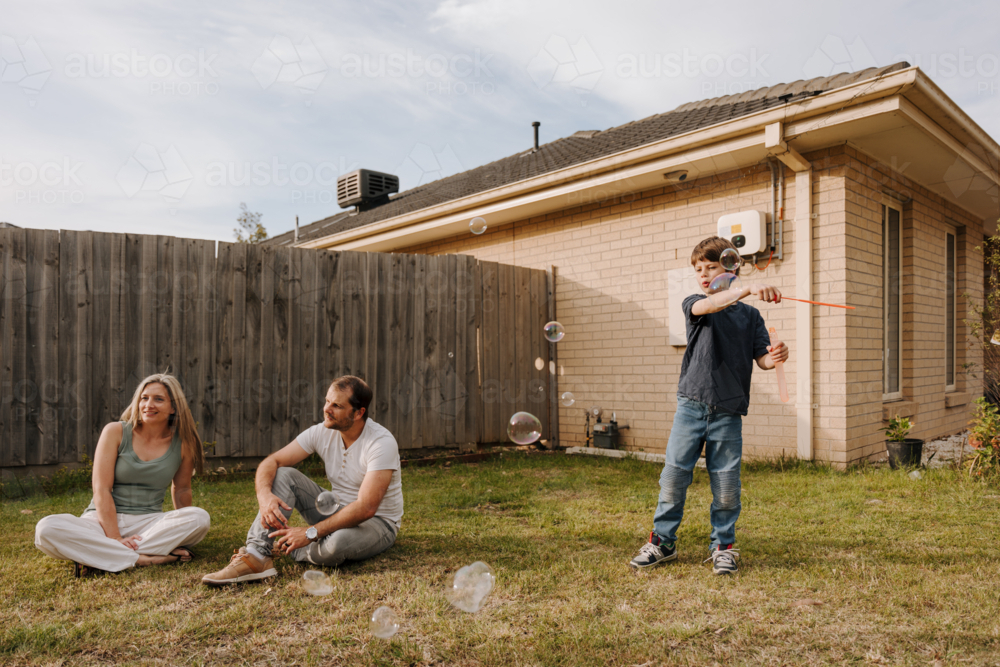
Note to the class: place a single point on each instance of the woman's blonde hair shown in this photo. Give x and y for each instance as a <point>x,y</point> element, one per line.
<point>181,422</point>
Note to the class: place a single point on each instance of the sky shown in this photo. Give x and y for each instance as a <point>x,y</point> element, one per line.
<point>121,117</point>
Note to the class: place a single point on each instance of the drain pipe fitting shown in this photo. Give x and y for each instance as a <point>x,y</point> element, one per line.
<point>774,207</point>
<point>781,212</point>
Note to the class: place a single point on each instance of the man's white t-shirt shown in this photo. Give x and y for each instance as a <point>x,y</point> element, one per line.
<point>375,449</point>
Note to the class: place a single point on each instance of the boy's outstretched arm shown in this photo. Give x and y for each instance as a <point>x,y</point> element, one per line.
<point>763,292</point>
<point>777,353</point>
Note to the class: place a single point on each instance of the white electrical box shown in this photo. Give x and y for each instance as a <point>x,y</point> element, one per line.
<point>681,283</point>
<point>747,230</point>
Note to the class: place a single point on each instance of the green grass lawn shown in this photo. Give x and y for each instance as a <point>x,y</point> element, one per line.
<point>863,567</point>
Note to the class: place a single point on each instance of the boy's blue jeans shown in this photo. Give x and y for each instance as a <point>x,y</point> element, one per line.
<point>722,433</point>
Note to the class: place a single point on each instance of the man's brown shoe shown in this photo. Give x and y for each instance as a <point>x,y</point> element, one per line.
<point>242,567</point>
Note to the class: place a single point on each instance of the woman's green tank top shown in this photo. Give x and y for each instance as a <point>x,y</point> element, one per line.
<point>141,485</point>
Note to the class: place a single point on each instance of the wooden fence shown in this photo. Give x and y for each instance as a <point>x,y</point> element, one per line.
<point>451,346</point>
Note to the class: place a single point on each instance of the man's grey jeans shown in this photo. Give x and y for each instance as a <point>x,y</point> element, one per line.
<point>365,540</point>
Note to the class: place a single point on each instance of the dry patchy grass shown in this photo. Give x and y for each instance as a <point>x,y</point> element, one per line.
<point>828,577</point>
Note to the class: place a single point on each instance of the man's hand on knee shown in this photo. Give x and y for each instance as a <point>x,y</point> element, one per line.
<point>270,511</point>
<point>290,539</point>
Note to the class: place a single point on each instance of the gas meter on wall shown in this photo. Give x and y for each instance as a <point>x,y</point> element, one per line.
<point>747,230</point>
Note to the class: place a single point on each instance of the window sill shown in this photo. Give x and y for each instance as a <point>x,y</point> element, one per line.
<point>956,398</point>
<point>899,408</point>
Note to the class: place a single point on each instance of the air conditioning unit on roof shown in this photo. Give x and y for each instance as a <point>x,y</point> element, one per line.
<point>365,188</point>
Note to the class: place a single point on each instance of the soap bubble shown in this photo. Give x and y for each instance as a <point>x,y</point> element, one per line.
<point>477,226</point>
<point>724,281</point>
<point>724,290</point>
<point>730,260</point>
<point>317,583</point>
<point>326,503</point>
<point>524,428</point>
<point>916,474</point>
<point>567,398</point>
<point>451,355</point>
<point>470,587</point>
<point>554,332</point>
<point>384,623</point>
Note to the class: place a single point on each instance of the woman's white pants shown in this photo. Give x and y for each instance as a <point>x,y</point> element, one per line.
<point>81,538</point>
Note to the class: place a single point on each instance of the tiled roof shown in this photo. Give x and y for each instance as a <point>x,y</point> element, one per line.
<point>582,147</point>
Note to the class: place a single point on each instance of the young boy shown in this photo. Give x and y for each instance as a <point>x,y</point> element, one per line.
<point>724,338</point>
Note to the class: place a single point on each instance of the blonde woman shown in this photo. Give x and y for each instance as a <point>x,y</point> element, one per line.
<point>154,446</point>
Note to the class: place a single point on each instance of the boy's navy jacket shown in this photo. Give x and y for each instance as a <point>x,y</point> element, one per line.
<point>719,359</point>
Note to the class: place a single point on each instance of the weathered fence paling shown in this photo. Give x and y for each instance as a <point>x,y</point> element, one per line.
<point>450,345</point>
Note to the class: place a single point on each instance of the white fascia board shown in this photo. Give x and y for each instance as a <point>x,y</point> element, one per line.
<point>637,178</point>
<point>490,201</point>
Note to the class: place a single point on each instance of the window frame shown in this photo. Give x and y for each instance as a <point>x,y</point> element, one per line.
<point>886,296</point>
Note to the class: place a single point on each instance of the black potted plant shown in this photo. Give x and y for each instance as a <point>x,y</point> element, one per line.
<point>902,451</point>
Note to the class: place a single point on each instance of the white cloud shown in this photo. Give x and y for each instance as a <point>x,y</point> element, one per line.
<point>259,114</point>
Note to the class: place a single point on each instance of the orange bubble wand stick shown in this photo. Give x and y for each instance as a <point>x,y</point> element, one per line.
<point>818,303</point>
<point>779,368</point>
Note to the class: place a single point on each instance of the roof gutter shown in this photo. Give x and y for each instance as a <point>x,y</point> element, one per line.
<point>581,175</point>
<point>923,84</point>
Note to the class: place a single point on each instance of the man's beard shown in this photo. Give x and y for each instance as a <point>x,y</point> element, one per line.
<point>337,426</point>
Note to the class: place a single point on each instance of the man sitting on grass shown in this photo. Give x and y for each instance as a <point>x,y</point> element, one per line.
<point>362,465</point>
<point>724,339</point>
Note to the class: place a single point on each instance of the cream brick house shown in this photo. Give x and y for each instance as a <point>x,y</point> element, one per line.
<point>877,190</point>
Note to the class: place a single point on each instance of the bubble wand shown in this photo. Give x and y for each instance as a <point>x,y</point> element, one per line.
<point>779,368</point>
<point>725,283</point>
<point>731,262</point>
<point>818,303</point>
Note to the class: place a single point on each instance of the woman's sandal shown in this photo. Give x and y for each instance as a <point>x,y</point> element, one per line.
<point>186,557</point>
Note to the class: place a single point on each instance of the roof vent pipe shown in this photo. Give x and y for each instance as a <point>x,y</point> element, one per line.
<point>296,229</point>
<point>535,125</point>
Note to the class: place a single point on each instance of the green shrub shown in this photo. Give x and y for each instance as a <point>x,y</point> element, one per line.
<point>899,428</point>
<point>984,437</point>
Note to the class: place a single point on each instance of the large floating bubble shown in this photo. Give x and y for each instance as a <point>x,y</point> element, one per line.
<point>470,587</point>
<point>326,503</point>
<point>567,398</point>
<point>384,623</point>
<point>554,332</point>
<point>730,260</point>
<point>724,290</point>
<point>524,428</point>
<point>317,583</point>
<point>477,225</point>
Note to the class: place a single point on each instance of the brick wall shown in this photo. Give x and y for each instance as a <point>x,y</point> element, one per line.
<point>926,217</point>
<point>612,259</point>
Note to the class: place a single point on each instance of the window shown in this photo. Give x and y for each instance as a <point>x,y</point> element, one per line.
<point>950,310</point>
<point>892,305</point>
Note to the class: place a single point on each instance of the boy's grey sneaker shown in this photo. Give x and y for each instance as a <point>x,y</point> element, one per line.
<point>724,559</point>
<point>653,553</point>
